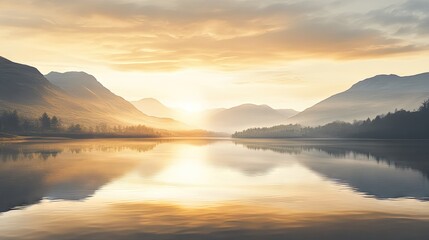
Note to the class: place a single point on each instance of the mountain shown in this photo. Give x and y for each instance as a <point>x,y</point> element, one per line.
<point>102,101</point>
<point>220,119</point>
<point>25,89</point>
<point>367,99</point>
<point>153,107</point>
<point>243,117</point>
<point>23,84</point>
<point>75,97</point>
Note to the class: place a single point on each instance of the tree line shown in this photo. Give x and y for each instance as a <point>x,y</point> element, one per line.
<point>12,123</point>
<point>398,125</point>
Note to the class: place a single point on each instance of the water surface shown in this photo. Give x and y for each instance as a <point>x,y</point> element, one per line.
<point>214,189</point>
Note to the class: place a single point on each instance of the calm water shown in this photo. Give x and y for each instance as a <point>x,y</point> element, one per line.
<point>214,189</point>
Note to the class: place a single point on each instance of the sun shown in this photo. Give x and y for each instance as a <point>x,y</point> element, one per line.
<point>190,107</point>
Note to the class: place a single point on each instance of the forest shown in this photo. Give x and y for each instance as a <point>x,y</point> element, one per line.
<point>400,124</point>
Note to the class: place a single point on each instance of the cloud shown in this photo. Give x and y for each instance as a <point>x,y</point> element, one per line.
<point>273,76</point>
<point>409,18</point>
<point>226,34</point>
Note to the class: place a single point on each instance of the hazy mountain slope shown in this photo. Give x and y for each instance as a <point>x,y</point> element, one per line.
<point>153,107</point>
<point>80,85</point>
<point>25,89</point>
<point>103,102</point>
<point>244,116</point>
<point>371,97</point>
<point>287,112</point>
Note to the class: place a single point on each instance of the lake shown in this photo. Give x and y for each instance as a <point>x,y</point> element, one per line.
<point>214,189</point>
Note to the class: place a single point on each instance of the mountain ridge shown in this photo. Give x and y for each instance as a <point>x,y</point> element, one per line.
<point>29,92</point>
<point>368,98</point>
<point>222,119</point>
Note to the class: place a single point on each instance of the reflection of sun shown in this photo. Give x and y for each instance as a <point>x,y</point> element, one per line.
<point>188,168</point>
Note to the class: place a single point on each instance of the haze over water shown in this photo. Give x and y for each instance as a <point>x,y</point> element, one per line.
<point>214,189</point>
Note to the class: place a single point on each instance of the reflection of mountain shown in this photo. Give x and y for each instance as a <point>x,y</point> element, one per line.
<point>29,173</point>
<point>254,164</point>
<point>383,169</point>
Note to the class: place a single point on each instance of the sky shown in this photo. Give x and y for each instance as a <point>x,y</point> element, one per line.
<point>196,54</point>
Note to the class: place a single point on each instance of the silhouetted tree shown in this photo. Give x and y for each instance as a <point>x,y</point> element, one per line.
<point>75,128</point>
<point>45,121</point>
<point>26,125</point>
<point>425,106</point>
<point>55,123</point>
<point>10,121</point>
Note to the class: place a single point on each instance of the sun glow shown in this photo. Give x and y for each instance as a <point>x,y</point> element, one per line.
<point>190,107</point>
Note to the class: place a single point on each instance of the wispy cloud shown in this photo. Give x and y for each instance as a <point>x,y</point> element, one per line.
<point>225,34</point>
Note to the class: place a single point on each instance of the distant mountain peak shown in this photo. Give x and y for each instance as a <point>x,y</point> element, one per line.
<point>153,107</point>
<point>385,76</point>
<point>378,79</point>
<point>81,85</point>
<point>72,74</point>
<point>81,77</point>
<point>251,105</point>
<point>152,100</point>
<point>391,81</point>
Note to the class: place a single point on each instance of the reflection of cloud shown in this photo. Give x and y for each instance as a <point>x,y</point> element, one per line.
<point>228,34</point>
<point>229,221</point>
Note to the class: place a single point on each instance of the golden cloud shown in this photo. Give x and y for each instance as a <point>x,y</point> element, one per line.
<point>233,34</point>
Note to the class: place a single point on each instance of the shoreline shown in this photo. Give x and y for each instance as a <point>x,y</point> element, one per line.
<point>19,138</point>
<point>26,138</point>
